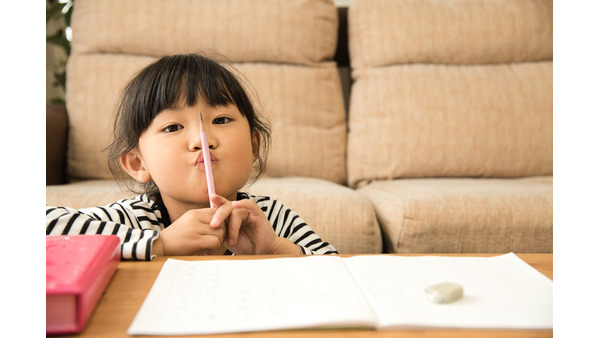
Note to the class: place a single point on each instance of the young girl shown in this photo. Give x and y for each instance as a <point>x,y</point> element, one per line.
<point>157,142</point>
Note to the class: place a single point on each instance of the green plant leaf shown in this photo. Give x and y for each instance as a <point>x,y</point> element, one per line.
<point>60,40</point>
<point>57,100</point>
<point>54,10</point>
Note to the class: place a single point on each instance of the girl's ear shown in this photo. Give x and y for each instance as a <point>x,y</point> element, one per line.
<point>135,167</point>
<point>255,144</point>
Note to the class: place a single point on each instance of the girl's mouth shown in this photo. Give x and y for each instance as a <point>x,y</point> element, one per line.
<point>200,160</point>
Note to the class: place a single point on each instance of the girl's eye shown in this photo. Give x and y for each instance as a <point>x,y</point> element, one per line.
<point>172,128</point>
<point>221,120</point>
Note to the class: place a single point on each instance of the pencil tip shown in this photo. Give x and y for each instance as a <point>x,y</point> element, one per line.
<point>201,122</point>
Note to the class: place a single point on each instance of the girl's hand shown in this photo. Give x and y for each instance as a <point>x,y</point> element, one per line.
<point>248,229</point>
<point>191,234</point>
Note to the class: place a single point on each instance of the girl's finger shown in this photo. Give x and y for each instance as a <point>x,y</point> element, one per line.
<point>249,205</point>
<point>236,219</point>
<point>224,208</point>
<point>207,244</point>
<point>217,200</point>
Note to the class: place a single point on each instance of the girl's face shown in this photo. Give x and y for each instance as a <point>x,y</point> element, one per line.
<point>170,153</point>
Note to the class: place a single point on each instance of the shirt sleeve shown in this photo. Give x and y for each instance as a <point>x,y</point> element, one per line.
<point>288,224</point>
<point>134,221</point>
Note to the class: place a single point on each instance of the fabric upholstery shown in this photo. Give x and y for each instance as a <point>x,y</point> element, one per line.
<point>451,120</point>
<point>292,31</point>
<point>385,32</point>
<point>94,83</point>
<point>464,215</point>
<point>85,194</point>
<point>308,120</point>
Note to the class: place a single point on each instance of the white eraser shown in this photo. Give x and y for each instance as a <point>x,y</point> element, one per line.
<point>444,292</point>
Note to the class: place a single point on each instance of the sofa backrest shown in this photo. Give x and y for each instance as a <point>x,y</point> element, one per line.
<point>449,88</point>
<point>284,49</point>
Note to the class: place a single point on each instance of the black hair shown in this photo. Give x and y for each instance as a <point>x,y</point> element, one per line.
<point>174,81</point>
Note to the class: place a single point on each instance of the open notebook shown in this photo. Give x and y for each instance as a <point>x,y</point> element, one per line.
<point>372,291</point>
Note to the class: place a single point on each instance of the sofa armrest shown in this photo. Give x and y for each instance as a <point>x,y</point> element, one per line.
<point>56,144</point>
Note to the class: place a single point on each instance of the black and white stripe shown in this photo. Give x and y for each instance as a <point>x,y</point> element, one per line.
<point>137,222</point>
<point>287,223</point>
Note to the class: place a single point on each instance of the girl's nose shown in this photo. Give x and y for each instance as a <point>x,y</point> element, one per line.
<point>196,140</point>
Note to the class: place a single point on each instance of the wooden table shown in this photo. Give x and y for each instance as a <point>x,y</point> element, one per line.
<point>132,281</point>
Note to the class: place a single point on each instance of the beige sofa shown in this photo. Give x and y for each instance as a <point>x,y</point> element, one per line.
<point>398,126</point>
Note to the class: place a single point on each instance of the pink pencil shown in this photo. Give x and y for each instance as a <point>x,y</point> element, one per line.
<point>207,161</point>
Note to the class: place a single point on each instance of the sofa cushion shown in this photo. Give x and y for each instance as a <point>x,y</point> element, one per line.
<point>451,120</point>
<point>94,82</point>
<point>308,119</point>
<point>462,215</point>
<point>311,117</point>
<point>340,215</point>
<point>384,32</point>
<point>291,31</point>
<point>283,58</point>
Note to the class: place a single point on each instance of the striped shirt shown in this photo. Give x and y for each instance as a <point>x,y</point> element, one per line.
<point>138,220</point>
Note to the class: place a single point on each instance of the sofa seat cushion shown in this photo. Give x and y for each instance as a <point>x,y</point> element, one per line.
<point>464,215</point>
<point>340,215</point>
<point>85,194</point>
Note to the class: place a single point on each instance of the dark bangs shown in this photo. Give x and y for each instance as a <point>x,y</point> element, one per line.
<point>178,80</point>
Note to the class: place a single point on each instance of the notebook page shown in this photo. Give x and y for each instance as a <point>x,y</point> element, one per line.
<point>499,292</point>
<point>204,297</point>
